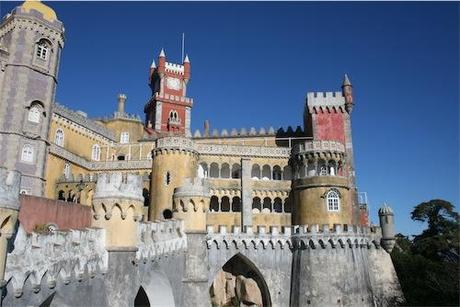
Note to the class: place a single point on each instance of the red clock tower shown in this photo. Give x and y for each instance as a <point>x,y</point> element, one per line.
<point>169,109</point>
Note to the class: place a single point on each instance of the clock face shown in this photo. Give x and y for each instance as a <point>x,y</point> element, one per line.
<point>173,83</point>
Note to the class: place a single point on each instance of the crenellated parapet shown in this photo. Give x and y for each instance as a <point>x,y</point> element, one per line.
<point>294,237</point>
<point>174,144</point>
<point>326,102</point>
<point>117,207</point>
<point>158,239</point>
<point>68,256</point>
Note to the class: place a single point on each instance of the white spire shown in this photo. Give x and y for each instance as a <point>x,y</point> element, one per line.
<point>186,60</point>
<point>153,64</point>
<point>162,53</point>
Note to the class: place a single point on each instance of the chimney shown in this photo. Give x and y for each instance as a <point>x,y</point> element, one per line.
<point>206,128</point>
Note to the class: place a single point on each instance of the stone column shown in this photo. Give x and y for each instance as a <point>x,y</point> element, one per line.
<point>246,193</point>
<point>10,182</point>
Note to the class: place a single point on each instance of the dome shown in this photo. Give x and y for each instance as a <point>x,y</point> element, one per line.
<point>385,210</point>
<point>47,12</point>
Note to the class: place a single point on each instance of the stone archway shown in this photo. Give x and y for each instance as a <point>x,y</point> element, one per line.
<point>239,283</point>
<point>141,299</point>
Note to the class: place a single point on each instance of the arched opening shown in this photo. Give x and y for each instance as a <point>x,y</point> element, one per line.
<point>236,204</point>
<point>232,282</point>
<point>311,170</point>
<point>267,205</point>
<point>256,205</point>
<point>225,204</point>
<point>202,170</point>
<point>255,171</point>
<point>322,168</point>
<point>276,173</point>
<point>266,172</point>
<point>236,171</point>
<point>225,171</point>
<point>61,195</point>
<point>278,205</point>
<point>214,170</point>
<point>214,205</point>
<point>332,168</point>
<point>141,299</point>
<point>287,205</point>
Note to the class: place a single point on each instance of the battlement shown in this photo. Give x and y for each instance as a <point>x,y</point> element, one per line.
<point>119,186</point>
<point>174,143</point>
<point>159,238</point>
<point>10,182</point>
<point>174,68</point>
<point>251,132</point>
<point>294,236</point>
<point>68,255</point>
<point>193,187</point>
<point>326,101</point>
<point>312,146</point>
<point>173,98</point>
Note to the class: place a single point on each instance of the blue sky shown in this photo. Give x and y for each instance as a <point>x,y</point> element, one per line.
<point>253,62</point>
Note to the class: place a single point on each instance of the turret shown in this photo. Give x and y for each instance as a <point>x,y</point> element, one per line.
<point>117,207</point>
<point>162,61</point>
<point>186,69</point>
<point>33,38</point>
<point>10,182</point>
<point>191,203</point>
<point>347,92</point>
<point>174,159</point>
<point>121,103</point>
<point>386,218</point>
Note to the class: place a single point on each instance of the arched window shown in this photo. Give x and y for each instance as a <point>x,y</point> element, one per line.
<point>256,205</point>
<point>173,117</point>
<point>266,172</point>
<point>276,173</point>
<point>255,172</point>
<point>236,204</point>
<point>34,114</point>
<point>225,204</point>
<point>214,205</point>
<point>287,173</point>
<point>67,170</point>
<point>96,152</point>
<point>42,49</point>
<point>59,137</point>
<point>214,170</point>
<point>202,171</point>
<point>267,205</point>
<point>332,168</point>
<point>322,168</point>
<point>225,171</point>
<point>124,137</point>
<point>278,205</point>
<point>236,172</point>
<point>27,154</point>
<point>333,201</point>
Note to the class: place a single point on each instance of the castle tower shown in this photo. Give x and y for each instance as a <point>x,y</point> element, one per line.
<point>10,182</point>
<point>31,39</point>
<point>324,184</point>
<point>169,109</point>
<point>386,218</point>
<point>117,207</point>
<point>174,159</point>
<point>191,202</point>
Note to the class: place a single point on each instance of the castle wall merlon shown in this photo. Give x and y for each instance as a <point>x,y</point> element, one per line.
<point>159,238</point>
<point>67,256</point>
<point>174,68</point>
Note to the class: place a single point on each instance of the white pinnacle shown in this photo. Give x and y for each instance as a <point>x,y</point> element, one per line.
<point>162,53</point>
<point>153,64</point>
<point>186,60</point>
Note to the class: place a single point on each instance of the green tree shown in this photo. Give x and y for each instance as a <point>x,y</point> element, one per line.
<point>428,265</point>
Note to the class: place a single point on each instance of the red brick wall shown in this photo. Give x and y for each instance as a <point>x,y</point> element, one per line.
<point>39,211</point>
<point>329,126</point>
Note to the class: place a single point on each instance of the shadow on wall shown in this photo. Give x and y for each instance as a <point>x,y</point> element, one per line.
<point>157,292</point>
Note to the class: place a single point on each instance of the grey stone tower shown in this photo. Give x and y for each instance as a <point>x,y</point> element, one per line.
<point>31,39</point>
<point>386,218</point>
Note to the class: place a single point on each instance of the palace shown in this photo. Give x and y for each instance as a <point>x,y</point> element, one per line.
<point>120,210</point>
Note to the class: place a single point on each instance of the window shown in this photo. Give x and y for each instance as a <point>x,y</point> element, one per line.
<point>174,117</point>
<point>24,192</point>
<point>167,178</point>
<point>27,154</point>
<point>333,201</point>
<point>42,50</point>
<point>96,152</point>
<point>124,137</point>
<point>59,137</point>
<point>67,170</point>
<point>34,114</point>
